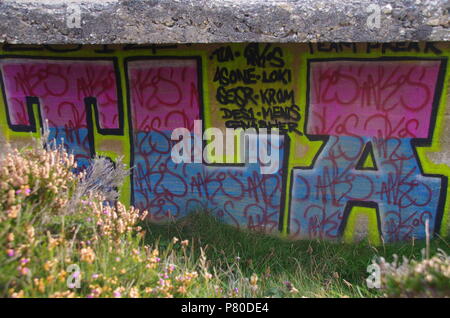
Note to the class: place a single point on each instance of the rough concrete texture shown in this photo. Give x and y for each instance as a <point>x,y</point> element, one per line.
<point>215,21</point>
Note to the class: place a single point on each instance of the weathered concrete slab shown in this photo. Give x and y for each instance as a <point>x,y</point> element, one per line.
<point>215,21</point>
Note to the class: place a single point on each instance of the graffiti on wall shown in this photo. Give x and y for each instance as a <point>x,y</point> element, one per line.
<point>354,123</point>
<point>66,93</point>
<point>256,90</point>
<point>370,110</point>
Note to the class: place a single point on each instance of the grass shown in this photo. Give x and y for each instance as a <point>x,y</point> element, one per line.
<point>313,268</point>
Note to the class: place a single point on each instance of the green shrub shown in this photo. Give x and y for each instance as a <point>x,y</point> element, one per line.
<point>425,278</point>
<point>56,229</point>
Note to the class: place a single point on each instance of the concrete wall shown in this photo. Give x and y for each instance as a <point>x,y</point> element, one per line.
<point>222,21</point>
<point>364,149</point>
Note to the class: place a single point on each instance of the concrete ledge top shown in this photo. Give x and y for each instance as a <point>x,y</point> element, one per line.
<point>219,21</point>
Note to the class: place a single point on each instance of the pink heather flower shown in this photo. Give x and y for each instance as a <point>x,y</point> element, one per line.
<point>90,296</point>
<point>88,242</point>
<point>106,212</point>
<point>117,294</point>
<point>24,261</point>
<point>89,219</point>
<point>18,191</point>
<point>10,252</point>
<point>94,276</point>
<point>27,191</point>
<point>157,259</point>
<point>23,270</point>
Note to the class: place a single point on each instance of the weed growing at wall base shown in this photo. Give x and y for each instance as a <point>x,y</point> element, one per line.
<point>286,268</point>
